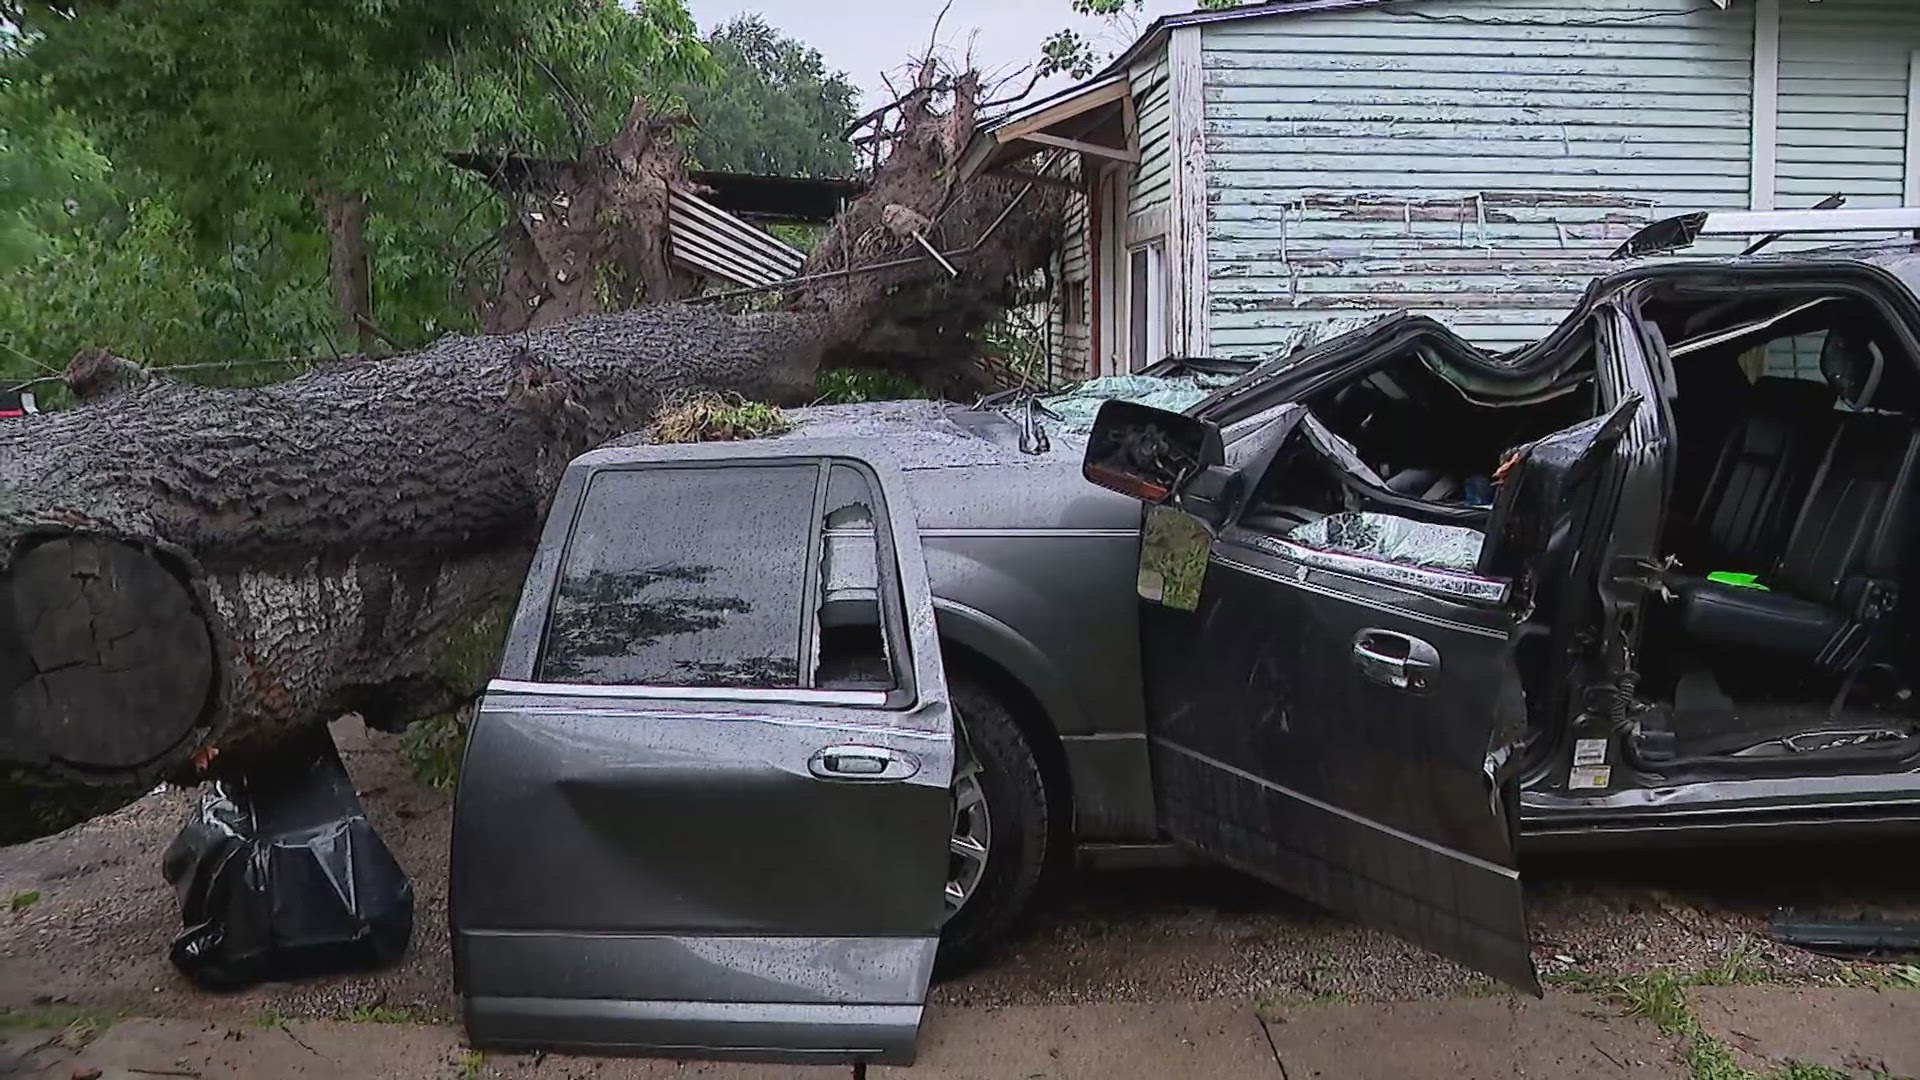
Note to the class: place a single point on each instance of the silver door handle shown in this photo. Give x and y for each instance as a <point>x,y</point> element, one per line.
<point>1394,659</point>
<point>864,764</point>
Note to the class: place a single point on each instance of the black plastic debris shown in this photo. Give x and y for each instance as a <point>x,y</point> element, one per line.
<point>1877,940</point>
<point>280,876</point>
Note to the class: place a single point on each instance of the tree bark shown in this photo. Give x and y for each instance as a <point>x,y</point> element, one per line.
<point>350,268</point>
<point>189,568</point>
<point>192,576</point>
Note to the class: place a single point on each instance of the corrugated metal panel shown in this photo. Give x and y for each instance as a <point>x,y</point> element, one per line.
<point>1153,179</point>
<point>712,241</point>
<point>1473,159</point>
<point>1843,100</point>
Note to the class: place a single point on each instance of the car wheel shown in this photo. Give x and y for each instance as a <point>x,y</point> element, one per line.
<point>999,842</point>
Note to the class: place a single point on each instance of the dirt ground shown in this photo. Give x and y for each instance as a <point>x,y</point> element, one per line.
<point>96,938</point>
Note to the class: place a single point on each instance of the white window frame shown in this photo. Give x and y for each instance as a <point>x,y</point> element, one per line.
<point>1154,348</point>
<point>1912,188</point>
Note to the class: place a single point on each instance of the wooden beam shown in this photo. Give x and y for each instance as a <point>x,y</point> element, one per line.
<point>1113,153</point>
<point>1190,321</point>
<point>1065,110</point>
<point>1766,105</point>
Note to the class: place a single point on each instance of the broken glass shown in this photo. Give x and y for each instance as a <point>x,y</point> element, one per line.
<point>1394,539</point>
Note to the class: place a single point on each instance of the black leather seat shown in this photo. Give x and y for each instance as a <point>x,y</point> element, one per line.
<point>1841,564</point>
<point>1762,475</point>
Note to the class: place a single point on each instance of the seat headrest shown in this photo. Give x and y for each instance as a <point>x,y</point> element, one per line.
<point>1852,364</point>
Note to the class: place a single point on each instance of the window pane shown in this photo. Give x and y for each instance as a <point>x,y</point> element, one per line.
<point>852,651</point>
<point>685,577</point>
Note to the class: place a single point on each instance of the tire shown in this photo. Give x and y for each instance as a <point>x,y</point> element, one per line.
<point>1015,793</point>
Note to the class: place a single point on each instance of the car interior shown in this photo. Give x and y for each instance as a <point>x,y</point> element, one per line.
<point>1401,463</point>
<point>850,650</point>
<point>1777,633</point>
<point>1779,637</point>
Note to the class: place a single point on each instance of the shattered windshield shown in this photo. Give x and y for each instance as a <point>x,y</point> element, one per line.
<point>1073,410</point>
<point>1394,539</point>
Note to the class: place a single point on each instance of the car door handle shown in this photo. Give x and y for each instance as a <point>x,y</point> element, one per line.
<point>864,764</point>
<point>1393,659</point>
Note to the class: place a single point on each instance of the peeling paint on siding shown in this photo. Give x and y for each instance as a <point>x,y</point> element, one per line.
<point>1153,181</point>
<point>1473,159</point>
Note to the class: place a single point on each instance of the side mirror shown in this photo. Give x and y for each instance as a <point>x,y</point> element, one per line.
<point>1148,453</point>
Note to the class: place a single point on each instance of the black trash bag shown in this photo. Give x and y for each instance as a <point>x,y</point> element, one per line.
<point>280,876</point>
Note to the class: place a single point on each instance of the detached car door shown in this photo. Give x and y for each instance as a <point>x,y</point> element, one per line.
<point>1333,701</point>
<point>705,805</point>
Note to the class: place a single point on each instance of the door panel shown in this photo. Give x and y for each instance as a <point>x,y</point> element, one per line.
<point>719,870</point>
<point>1282,747</point>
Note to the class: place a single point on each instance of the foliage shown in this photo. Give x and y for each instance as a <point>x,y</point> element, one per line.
<point>432,749</point>
<point>23,900</point>
<point>381,1014</point>
<point>773,108</point>
<point>711,417</point>
<point>1019,340</point>
<point>1660,996</point>
<point>848,386</point>
<point>1070,52</point>
<point>194,134</point>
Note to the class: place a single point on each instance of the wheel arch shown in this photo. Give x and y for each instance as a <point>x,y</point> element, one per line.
<point>1016,672</point>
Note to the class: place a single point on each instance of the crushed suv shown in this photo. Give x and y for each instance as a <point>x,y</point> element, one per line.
<point>774,716</point>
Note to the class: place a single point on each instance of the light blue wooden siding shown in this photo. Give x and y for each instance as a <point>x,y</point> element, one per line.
<point>1843,100</point>
<point>1472,159</point>
<point>1072,338</point>
<point>1152,184</point>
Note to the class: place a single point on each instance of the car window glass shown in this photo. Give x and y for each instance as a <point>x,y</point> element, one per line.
<point>1796,357</point>
<point>1394,539</point>
<point>851,649</point>
<point>685,577</point>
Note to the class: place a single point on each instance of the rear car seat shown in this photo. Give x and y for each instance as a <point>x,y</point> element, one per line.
<point>1762,474</point>
<point>1842,561</point>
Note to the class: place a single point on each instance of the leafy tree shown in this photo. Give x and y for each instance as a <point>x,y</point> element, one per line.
<point>1069,51</point>
<point>772,108</point>
<point>346,103</point>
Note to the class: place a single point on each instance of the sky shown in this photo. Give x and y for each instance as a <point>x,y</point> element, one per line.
<point>867,38</point>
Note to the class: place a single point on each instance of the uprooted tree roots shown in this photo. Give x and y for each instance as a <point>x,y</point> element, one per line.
<point>191,576</point>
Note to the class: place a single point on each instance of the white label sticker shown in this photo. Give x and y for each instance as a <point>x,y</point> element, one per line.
<point>1590,751</point>
<point>1590,776</point>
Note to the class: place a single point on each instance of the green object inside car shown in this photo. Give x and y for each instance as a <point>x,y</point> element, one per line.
<point>1738,581</point>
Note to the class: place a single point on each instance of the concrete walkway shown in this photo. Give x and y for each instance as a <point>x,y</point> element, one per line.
<point>1866,1033</point>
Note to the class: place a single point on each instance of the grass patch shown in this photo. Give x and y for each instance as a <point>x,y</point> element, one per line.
<point>709,417</point>
<point>381,1014</point>
<point>23,900</point>
<point>47,1017</point>
<point>1878,976</point>
<point>470,1063</point>
<point>1661,998</point>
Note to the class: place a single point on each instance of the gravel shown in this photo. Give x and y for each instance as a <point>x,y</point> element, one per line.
<point>97,935</point>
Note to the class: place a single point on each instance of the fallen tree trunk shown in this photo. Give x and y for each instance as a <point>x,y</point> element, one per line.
<point>188,567</point>
<point>191,576</point>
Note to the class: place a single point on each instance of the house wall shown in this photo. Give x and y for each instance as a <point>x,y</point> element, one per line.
<point>1152,183</point>
<point>1845,71</point>
<point>1072,329</point>
<point>1472,159</point>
